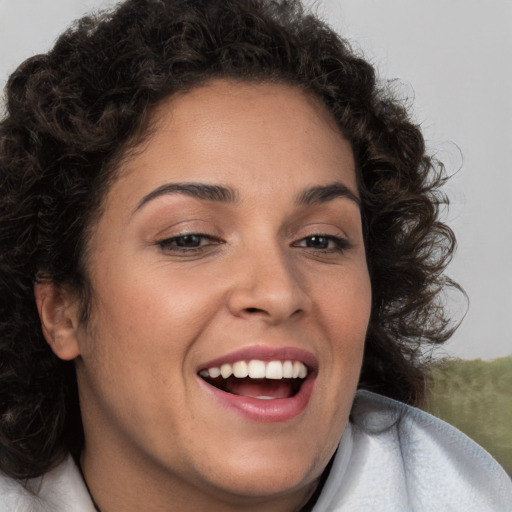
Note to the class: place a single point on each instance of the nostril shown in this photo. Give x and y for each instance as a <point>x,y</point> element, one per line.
<point>254,310</point>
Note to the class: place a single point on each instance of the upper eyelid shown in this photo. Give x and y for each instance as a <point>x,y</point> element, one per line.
<point>183,235</point>
<point>327,227</point>
<point>339,235</point>
<point>190,233</point>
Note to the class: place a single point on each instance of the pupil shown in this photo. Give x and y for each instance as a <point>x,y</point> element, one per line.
<point>188,241</point>
<point>318,242</point>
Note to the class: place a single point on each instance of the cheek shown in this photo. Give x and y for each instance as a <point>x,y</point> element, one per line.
<point>137,297</point>
<point>344,301</point>
<point>148,321</point>
<point>345,305</point>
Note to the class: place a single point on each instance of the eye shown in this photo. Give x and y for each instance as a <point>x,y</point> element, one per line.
<point>324,243</point>
<point>189,242</point>
<point>318,242</point>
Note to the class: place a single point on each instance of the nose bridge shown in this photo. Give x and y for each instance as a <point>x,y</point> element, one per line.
<point>267,283</point>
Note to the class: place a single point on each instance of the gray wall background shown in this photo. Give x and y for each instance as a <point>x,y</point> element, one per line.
<point>454,60</point>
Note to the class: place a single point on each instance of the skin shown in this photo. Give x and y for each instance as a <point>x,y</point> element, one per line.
<point>155,440</point>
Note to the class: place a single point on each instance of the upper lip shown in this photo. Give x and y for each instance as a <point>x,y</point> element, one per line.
<point>264,353</point>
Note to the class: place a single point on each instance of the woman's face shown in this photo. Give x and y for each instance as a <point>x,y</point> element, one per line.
<point>232,241</point>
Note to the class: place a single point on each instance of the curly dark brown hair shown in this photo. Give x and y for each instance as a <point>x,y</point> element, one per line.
<point>72,113</point>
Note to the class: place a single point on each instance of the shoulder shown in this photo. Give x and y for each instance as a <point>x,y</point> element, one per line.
<point>398,458</point>
<point>60,490</point>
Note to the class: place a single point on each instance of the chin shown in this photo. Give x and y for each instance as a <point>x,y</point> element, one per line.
<point>261,474</point>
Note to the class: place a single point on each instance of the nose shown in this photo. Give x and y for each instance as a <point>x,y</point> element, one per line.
<point>266,285</point>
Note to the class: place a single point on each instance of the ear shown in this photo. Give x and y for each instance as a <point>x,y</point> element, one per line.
<point>59,319</point>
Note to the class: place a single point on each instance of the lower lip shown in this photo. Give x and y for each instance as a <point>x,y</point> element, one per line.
<point>264,411</point>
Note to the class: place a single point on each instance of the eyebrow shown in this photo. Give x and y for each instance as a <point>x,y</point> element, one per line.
<point>325,193</point>
<point>203,191</point>
<point>222,194</point>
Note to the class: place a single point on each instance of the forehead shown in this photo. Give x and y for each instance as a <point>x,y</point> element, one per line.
<point>234,101</point>
<point>242,133</point>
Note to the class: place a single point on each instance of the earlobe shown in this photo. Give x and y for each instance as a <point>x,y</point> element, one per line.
<point>59,319</point>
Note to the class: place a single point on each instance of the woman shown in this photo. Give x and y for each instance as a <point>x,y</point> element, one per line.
<point>215,229</point>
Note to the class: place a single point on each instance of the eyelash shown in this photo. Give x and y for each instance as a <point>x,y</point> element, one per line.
<point>340,244</point>
<point>172,244</point>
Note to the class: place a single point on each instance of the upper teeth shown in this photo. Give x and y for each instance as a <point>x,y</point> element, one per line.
<point>256,369</point>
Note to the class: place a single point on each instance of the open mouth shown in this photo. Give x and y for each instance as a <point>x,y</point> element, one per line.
<point>265,380</point>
